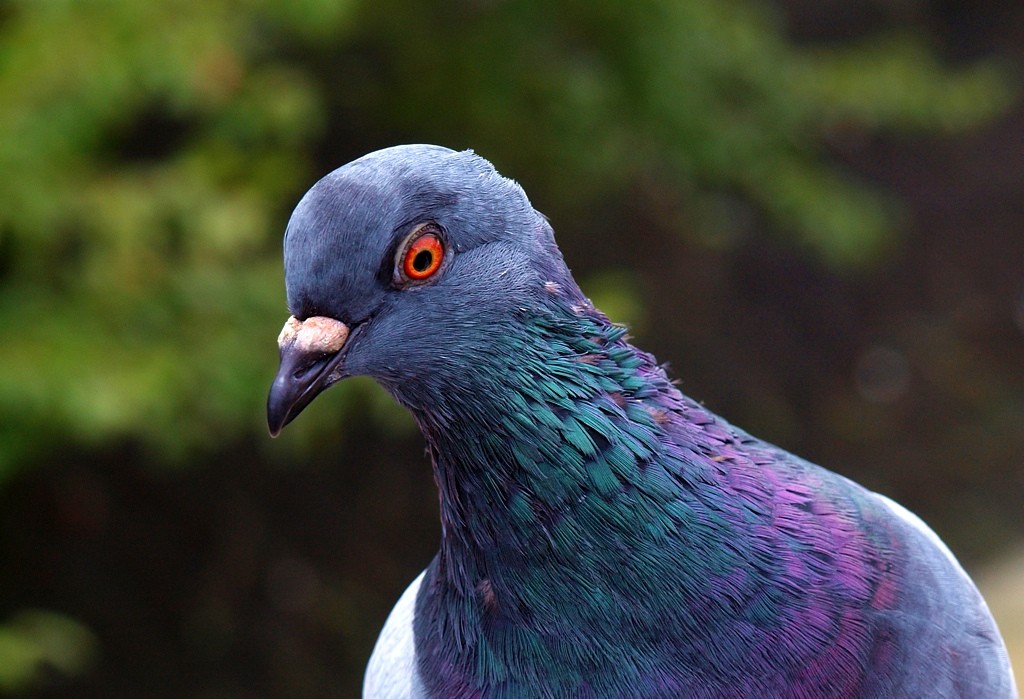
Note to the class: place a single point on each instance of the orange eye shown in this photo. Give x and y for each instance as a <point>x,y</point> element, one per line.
<point>423,257</point>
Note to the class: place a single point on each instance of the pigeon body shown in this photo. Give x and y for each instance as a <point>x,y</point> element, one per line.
<point>603,535</point>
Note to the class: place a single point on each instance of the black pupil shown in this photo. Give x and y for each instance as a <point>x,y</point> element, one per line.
<point>422,261</point>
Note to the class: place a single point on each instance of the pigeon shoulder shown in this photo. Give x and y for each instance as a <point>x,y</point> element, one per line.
<point>391,672</point>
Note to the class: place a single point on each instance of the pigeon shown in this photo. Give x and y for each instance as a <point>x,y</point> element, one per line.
<point>602,534</point>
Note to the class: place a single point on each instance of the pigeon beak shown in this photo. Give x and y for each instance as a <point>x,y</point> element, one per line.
<point>311,357</point>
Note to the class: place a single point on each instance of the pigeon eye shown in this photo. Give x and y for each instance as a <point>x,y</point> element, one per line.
<point>422,255</point>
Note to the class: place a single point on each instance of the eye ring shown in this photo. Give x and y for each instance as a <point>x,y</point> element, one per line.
<point>421,255</point>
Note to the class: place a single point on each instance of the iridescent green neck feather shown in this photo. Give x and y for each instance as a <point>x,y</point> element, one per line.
<point>555,476</point>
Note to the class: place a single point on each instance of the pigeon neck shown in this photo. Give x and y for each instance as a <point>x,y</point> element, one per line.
<point>560,418</point>
<point>572,462</point>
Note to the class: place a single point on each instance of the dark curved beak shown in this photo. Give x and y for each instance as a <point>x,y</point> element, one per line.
<point>306,370</point>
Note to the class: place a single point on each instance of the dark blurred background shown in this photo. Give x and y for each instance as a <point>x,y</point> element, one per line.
<point>813,209</point>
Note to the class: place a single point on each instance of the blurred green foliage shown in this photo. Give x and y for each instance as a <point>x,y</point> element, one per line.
<point>36,642</point>
<point>153,149</point>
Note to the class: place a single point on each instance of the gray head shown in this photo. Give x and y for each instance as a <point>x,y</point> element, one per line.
<point>404,265</point>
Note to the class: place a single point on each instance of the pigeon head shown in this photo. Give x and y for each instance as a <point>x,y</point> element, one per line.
<point>407,265</point>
